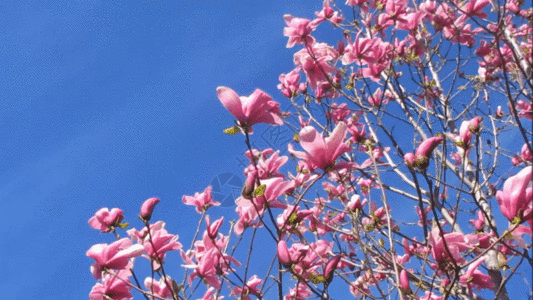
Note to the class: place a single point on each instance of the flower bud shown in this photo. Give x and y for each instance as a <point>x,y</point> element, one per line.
<point>147,208</point>
<point>283,254</point>
<point>330,268</point>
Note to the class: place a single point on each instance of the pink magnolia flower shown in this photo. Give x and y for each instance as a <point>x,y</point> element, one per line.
<point>459,32</point>
<point>300,292</point>
<point>327,13</point>
<point>161,288</point>
<point>516,237</point>
<point>357,130</point>
<point>283,254</point>
<point>212,229</point>
<point>361,51</point>
<point>248,214</point>
<point>475,8</point>
<point>210,294</point>
<point>256,108</point>
<point>325,89</point>
<point>360,287</point>
<point>526,154</point>
<point>479,222</point>
<point>395,12</point>
<point>427,146</point>
<point>409,159</point>
<point>321,152</point>
<point>466,132</point>
<point>474,278</point>
<point>515,199</point>
<point>206,268</point>
<point>373,71</point>
<point>290,85</point>
<point>202,201</point>
<point>379,98</point>
<point>268,163</point>
<point>455,243</point>
<point>105,220</point>
<point>513,6</point>
<point>430,295</point>
<point>330,267</point>
<point>148,208</point>
<point>316,65</point>
<point>410,21</point>
<point>115,256</point>
<point>114,286</point>
<point>158,243</point>
<point>298,31</point>
<point>275,188</point>
<point>251,287</point>
<point>355,203</point>
<point>377,218</point>
<point>423,152</point>
<point>404,280</point>
<point>366,184</point>
<point>516,160</point>
<point>443,16</point>
<point>338,112</point>
<point>292,217</point>
<point>422,215</point>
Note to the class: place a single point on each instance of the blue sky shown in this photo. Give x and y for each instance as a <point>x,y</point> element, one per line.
<point>108,103</point>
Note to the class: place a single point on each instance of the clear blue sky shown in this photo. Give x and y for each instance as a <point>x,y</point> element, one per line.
<point>108,103</point>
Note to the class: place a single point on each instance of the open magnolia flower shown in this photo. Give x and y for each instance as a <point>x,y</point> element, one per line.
<point>321,151</point>
<point>256,108</point>
<point>515,199</point>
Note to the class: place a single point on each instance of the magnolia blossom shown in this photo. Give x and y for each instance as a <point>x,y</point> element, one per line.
<point>148,208</point>
<point>114,256</point>
<point>267,163</point>
<point>298,30</point>
<point>158,243</point>
<point>290,84</point>
<point>251,287</point>
<point>114,286</point>
<point>327,13</point>
<point>404,280</point>
<point>515,198</point>
<point>338,112</point>
<point>210,294</point>
<point>160,288</point>
<point>321,152</point>
<point>300,292</point>
<point>316,62</point>
<point>256,108</point>
<point>479,222</point>
<point>202,201</point>
<point>423,152</point>
<point>474,278</point>
<point>455,244</point>
<point>105,220</point>
<point>330,267</point>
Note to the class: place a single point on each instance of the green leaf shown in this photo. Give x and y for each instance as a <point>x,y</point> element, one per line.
<point>123,225</point>
<point>260,191</point>
<point>316,278</point>
<point>232,130</point>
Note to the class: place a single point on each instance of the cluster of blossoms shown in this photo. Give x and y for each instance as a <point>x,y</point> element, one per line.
<point>353,161</point>
<point>114,262</point>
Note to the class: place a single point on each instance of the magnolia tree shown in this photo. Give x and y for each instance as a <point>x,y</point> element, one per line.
<point>413,157</point>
